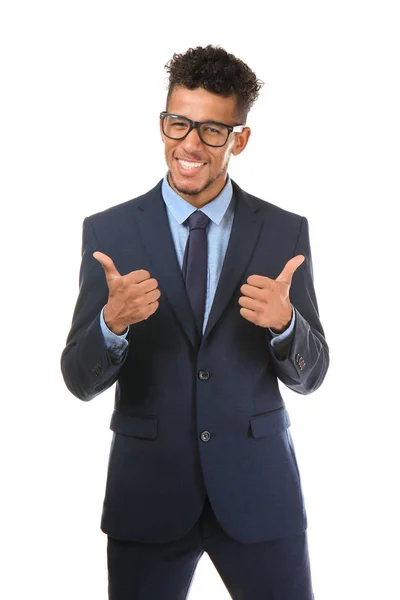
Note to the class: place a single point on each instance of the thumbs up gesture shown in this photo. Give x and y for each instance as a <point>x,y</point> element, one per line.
<point>131,298</point>
<point>265,301</point>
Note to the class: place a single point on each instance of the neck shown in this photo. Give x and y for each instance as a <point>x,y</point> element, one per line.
<point>204,196</point>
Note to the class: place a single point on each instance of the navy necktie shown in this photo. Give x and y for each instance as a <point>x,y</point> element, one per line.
<point>194,268</point>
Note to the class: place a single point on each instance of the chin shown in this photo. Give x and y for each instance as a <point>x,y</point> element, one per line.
<point>192,190</point>
<point>189,186</point>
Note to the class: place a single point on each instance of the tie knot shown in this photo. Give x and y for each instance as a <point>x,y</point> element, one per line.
<point>198,220</point>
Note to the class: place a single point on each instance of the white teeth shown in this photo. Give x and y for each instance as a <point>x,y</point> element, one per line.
<point>189,165</point>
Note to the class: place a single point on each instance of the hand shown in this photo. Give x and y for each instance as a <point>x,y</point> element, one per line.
<point>265,302</point>
<point>131,298</point>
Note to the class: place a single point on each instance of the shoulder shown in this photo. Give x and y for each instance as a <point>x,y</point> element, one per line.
<point>267,209</point>
<point>121,212</point>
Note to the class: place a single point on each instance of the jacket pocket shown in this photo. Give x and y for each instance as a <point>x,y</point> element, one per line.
<point>133,426</point>
<point>270,422</point>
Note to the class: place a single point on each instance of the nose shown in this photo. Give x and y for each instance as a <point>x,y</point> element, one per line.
<point>192,141</point>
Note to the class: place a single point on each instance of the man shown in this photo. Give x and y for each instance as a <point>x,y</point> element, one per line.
<point>195,298</point>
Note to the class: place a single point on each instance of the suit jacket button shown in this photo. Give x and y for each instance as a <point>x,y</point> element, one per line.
<point>204,375</point>
<point>205,436</point>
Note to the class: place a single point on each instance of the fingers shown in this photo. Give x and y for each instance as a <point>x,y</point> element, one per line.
<point>144,285</point>
<point>260,281</point>
<point>153,307</point>
<point>153,296</point>
<point>252,303</point>
<point>258,293</point>
<point>112,272</point>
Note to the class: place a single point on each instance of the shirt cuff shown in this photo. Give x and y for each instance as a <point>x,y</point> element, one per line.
<point>116,344</point>
<point>281,337</point>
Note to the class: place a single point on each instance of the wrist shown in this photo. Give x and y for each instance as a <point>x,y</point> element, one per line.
<point>285,324</point>
<point>113,324</point>
<point>116,329</point>
<point>280,330</point>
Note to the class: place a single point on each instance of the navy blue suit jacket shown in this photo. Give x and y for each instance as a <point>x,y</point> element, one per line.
<point>171,386</point>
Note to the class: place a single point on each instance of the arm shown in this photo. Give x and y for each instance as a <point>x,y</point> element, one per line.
<point>303,364</point>
<point>87,365</point>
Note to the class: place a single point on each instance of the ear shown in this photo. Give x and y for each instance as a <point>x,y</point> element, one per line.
<point>241,141</point>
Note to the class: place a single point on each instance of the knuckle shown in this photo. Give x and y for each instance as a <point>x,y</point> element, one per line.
<point>140,275</point>
<point>135,301</point>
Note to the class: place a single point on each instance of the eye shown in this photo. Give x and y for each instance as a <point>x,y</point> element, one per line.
<point>178,124</point>
<point>212,129</point>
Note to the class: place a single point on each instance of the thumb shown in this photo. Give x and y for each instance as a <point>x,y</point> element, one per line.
<point>290,267</point>
<point>107,263</point>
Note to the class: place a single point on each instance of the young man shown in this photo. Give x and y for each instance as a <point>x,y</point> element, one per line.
<point>195,298</point>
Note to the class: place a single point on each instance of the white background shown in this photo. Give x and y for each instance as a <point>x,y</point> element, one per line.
<point>82,85</point>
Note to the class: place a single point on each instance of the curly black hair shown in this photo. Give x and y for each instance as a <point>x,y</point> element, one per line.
<point>217,71</point>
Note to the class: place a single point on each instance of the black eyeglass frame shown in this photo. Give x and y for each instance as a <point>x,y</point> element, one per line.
<point>197,124</point>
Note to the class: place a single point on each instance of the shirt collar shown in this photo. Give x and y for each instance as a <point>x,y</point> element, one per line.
<point>181,209</point>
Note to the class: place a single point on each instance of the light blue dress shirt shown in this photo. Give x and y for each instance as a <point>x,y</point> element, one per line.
<point>221,211</point>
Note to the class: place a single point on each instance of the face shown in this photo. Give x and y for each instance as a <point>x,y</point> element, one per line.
<point>201,184</point>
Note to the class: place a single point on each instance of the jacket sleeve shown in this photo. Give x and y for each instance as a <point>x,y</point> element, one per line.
<point>87,366</point>
<point>302,361</point>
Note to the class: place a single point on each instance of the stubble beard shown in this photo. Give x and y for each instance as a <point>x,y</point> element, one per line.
<point>187,192</point>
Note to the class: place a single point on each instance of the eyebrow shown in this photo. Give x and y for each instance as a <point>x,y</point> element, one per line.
<point>201,121</point>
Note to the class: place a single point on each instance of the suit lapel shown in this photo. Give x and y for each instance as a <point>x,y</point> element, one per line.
<point>157,239</point>
<point>245,230</point>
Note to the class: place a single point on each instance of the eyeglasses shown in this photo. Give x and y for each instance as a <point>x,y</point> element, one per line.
<point>211,133</point>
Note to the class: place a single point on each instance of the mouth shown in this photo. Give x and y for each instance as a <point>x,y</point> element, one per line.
<point>189,167</point>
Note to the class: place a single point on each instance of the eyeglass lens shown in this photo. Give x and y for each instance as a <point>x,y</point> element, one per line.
<point>211,133</point>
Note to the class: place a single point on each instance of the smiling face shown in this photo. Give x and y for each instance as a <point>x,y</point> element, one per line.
<point>204,179</point>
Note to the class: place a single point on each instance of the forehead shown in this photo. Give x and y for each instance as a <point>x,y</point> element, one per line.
<point>201,105</point>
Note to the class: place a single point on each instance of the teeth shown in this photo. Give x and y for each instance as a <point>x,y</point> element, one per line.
<point>189,165</point>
